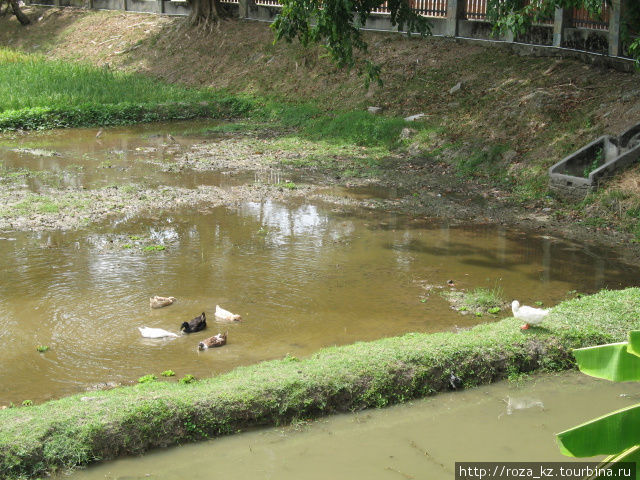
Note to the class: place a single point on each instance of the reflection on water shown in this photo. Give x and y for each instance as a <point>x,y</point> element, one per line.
<point>78,159</point>
<point>301,276</point>
<point>421,440</point>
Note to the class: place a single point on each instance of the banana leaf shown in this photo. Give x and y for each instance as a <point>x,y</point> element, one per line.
<point>629,455</point>
<point>611,362</point>
<point>606,435</point>
<point>634,342</point>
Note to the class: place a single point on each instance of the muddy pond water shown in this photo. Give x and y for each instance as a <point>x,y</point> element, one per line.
<point>421,440</point>
<point>302,275</point>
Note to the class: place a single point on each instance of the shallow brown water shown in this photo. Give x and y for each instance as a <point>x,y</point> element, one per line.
<point>119,155</point>
<point>499,422</point>
<point>303,277</point>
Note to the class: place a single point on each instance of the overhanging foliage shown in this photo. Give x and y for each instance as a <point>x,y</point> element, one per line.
<point>336,25</point>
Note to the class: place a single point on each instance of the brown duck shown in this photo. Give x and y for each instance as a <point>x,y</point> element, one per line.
<point>195,325</point>
<point>212,342</point>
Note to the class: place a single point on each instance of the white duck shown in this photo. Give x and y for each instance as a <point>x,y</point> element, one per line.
<point>225,316</point>
<point>530,315</point>
<point>148,332</point>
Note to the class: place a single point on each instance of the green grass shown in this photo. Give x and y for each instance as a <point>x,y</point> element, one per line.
<point>35,203</point>
<point>485,298</point>
<point>40,93</point>
<point>131,420</point>
<point>37,93</point>
<point>478,301</point>
<point>358,127</point>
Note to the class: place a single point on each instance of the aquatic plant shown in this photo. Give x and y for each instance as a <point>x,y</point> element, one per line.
<point>187,379</point>
<point>147,378</point>
<point>27,403</point>
<point>616,434</point>
<point>168,373</point>
<point>42,348</point>
<point>154,248</point>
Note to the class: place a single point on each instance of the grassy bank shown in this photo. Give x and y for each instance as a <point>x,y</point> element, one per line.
<point>98,425</point>
<point>37,93</point>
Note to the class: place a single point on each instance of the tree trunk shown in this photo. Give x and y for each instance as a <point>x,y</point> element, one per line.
<point>204,12</point>
<point>22,18</point>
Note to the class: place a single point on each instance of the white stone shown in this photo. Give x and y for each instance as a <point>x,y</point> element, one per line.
<point>455,88</point>
<point>415,117</point>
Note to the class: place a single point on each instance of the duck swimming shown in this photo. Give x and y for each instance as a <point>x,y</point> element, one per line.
<point>530,315</point>
<point>148,332</point>
<point>195,325</point>
<point>223,315</point>
<point>159,302</point>
<point>212,342</point>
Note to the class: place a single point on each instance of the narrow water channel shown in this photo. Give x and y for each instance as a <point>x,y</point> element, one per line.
<point>421,440</point>
<point>302,275</point>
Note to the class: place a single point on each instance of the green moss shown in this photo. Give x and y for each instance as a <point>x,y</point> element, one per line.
<point>130,420</point>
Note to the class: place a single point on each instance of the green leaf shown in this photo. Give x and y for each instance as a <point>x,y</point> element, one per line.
<point>634,343</point>
<point>629,455</point>
<point>611,362</point>
<point>607,435</point>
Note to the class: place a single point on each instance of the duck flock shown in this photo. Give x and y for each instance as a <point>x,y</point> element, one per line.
<point>194,325</point>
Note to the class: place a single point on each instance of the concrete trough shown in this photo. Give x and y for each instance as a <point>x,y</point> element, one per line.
<point>584,171</point>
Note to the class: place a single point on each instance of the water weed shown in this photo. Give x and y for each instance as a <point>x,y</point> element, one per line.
<point>147,378</point>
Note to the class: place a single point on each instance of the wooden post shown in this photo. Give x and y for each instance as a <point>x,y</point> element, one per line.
<point>160,6</point>
<point>561,21</point>
<point>614,28</point>
<point>455,12</point>
<point>124,5</point>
